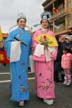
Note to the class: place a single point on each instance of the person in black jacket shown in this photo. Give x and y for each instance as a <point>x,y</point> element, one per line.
<point>58,76</point>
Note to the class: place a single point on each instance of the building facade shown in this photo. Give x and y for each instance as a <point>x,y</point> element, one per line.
<point>61,15</point>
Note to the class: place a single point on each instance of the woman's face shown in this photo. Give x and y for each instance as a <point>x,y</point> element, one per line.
<point>44,24</point>
<point>21,23</point>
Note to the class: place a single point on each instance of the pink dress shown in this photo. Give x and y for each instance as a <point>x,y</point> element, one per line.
<point>44,73</point>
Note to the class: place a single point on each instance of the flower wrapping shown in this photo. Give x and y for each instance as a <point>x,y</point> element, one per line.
<point>46,39</point>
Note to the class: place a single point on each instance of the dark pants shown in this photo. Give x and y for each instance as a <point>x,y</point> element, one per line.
<point>57,71</point>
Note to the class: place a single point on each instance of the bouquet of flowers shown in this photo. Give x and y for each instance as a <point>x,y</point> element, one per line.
<point>46,39</point>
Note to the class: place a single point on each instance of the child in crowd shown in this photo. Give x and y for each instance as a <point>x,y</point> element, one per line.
<point>66,65</point>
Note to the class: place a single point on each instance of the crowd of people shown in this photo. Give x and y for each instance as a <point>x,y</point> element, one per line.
<point>64,43</point>
<point>52,59</point>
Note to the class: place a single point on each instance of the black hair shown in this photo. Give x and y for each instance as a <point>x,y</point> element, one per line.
<point>66,49</point>
<point>21,18</point>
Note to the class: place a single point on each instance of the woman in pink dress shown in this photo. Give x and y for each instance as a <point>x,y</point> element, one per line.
<point>44,65</point>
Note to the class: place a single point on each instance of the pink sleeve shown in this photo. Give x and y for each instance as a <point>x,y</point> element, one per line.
<point>53,55</point>
<point>34,43</point>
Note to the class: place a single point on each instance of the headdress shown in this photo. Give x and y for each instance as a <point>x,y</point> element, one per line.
<point>45,16</point>
<point>21,15</point>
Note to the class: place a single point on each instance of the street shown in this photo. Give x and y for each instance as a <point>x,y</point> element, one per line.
<point>63,94</point>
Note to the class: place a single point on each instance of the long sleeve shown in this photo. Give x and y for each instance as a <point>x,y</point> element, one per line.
<point>34,43</point>
<point>7,44</point>
<point>53,55</point>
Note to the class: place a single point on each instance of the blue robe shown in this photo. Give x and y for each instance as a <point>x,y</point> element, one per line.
<point>19,69</point>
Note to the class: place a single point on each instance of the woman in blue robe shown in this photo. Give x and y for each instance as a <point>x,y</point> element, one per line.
<point>19,69</point>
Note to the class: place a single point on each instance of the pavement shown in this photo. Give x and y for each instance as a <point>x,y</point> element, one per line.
<point>63,93</point>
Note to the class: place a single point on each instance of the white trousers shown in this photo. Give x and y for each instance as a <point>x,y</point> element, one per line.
<point>31,63</point>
